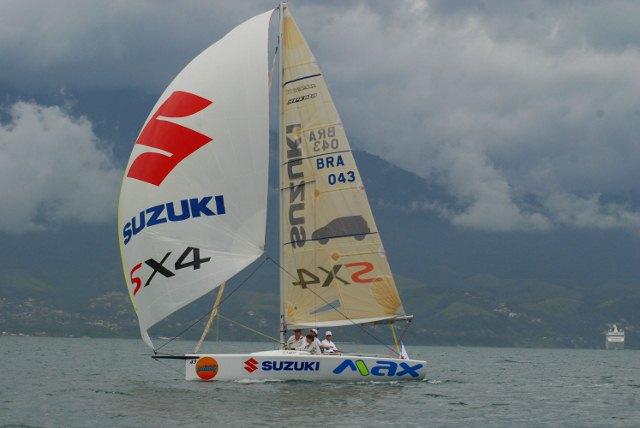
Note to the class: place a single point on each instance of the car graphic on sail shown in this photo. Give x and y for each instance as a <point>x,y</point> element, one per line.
<point>354,225</point>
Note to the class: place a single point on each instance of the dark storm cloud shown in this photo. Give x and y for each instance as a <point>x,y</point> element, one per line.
<point>527,112</point>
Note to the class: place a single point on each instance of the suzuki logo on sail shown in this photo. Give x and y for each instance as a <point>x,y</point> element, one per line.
<point>176,140</point>
<point>295,174</point>
<point>205,206</point>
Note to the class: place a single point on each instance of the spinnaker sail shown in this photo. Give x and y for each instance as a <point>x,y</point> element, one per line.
<point>336,272</point>
<point>192,208</point>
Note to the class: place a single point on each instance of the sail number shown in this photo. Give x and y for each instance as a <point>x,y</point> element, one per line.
<point>190,258</point>
<point>326,162</point>
<point>324,139</point>
<point>341,177</point>
<point>359,274</point>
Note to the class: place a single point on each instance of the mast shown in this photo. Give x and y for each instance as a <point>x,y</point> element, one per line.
<point>283,327</point>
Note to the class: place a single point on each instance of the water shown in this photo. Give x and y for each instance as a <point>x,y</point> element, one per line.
<point>113,382</point>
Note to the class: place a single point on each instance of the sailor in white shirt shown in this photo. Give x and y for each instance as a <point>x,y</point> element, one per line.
<point>328,347</point>
<point>311,345</point>
<point>314,332</point>
<point>296,341</point>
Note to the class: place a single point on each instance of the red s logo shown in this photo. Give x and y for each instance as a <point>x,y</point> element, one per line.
<point>367,267</point>
<point>134,279</point>
<point>170,137</point>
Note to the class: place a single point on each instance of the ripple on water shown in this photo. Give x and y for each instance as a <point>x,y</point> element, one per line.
<point>510,361</point>
<point>560,387</point>
<point>259,381</point>
<point>103,391</point>
<point>441,381</point>
<point>432,395</point>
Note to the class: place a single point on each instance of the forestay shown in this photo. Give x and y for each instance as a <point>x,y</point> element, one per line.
<point>192,209</point>
<point>336,269</point>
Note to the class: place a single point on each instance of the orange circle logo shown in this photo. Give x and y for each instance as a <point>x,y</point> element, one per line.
<point>207,368</point>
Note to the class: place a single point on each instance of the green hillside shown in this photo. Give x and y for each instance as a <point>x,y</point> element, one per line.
<point>465,287</point>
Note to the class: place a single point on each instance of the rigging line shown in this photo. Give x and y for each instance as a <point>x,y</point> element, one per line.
<point>335,309</point>
<point>249,328</point>
<point>273,63</point>
<point>207,313</point>
<point>169,367</point>
<point>275,54</point>
<point>395,338</point>
<point>404,330</point>
<point>214,311</point>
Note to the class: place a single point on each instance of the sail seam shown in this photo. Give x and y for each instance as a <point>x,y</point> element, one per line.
<point>301,78</point>
<point>315,156</point>
<point>297,184</point>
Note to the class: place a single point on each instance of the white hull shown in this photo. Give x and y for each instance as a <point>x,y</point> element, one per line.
<point>298,365</point>
<point>614,343</point>
<point>615,338</point>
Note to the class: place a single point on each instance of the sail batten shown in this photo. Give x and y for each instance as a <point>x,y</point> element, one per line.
<point>330,246</point>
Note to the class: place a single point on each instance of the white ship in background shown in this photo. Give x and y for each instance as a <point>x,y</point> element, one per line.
<point>614,338</point>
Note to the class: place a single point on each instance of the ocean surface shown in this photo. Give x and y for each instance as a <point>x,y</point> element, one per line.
<point>113,382</point>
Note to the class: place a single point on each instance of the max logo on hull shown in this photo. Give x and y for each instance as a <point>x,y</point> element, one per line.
<point>178,141</point>
<point>382,368</point>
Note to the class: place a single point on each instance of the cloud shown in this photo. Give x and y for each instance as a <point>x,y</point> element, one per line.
<point>591,212</point>
<point>528,113</point>
<point>486,194</point>
<point>115,44</point>
<point>53,169</point>
<point>507,106</point>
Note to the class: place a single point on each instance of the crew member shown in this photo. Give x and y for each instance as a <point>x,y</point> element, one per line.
<point>328,347</point>
<point>311,346</point>
<point>296,341</point>
<point>314,332</point>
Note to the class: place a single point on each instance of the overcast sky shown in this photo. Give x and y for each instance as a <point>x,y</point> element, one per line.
<point>527,113</point>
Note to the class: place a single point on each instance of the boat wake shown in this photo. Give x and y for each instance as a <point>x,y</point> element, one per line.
<point>253,381</point>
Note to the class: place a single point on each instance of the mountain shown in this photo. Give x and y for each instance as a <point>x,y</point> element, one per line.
<point>468,287</point>
<point>465,287</point>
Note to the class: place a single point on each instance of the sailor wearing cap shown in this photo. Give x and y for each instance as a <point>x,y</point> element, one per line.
<point>314,333</point>
<point>327,345</point>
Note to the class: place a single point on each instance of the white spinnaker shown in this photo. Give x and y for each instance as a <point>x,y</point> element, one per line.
<point>213,118</point>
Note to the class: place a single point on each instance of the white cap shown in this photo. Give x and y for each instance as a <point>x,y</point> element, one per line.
<point>314,330</point>
<point>328,333</point>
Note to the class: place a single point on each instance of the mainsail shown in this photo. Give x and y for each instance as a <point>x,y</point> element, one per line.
<point>192,209</point>
<point>336,272</point>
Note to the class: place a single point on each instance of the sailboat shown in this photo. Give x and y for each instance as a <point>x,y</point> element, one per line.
<point>193,206</point>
